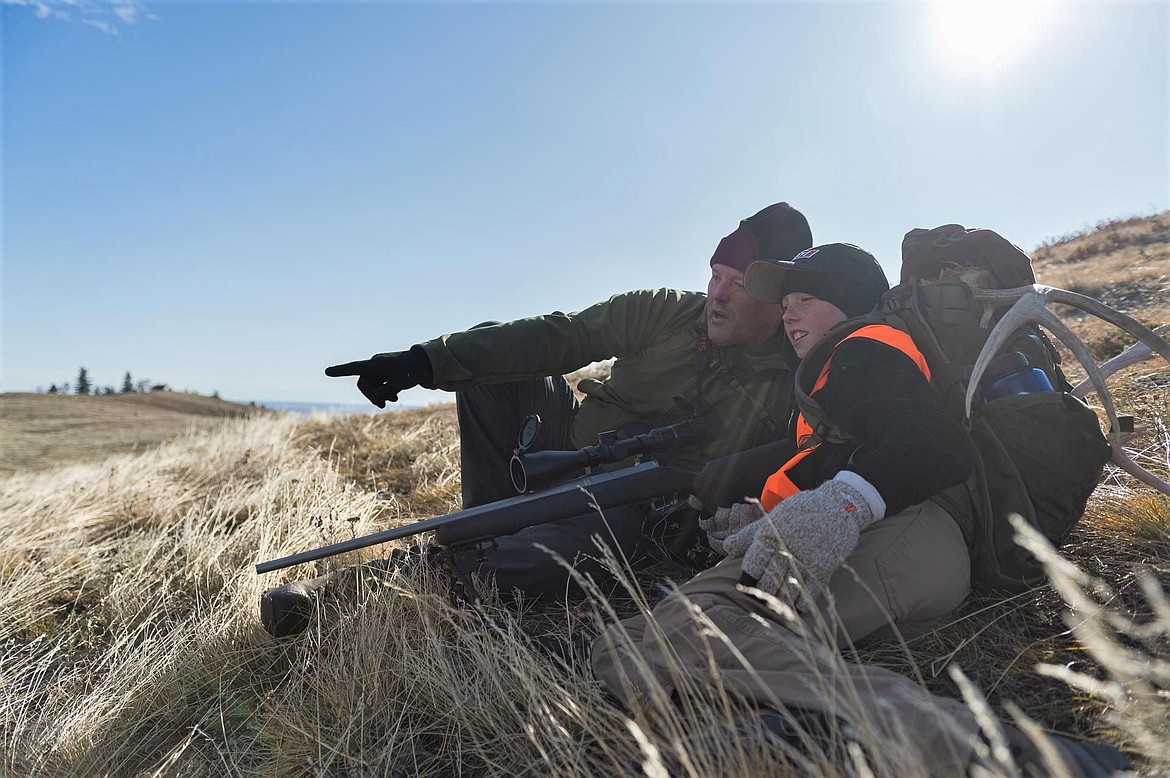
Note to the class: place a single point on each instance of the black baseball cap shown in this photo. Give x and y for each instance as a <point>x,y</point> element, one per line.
<point>840,273</point>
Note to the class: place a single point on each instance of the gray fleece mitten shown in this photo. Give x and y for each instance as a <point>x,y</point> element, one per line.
<point>728,520</point>
<point>814,531</point>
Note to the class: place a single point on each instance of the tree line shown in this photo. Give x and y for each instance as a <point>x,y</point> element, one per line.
<point>83,385</point>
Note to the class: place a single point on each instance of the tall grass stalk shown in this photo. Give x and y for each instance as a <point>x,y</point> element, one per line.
<point>1131,655</point>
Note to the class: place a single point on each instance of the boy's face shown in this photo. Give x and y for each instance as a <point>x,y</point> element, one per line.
<point>807,319</point>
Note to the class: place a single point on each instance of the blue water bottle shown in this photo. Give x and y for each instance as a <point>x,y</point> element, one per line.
<point>1010,374</point>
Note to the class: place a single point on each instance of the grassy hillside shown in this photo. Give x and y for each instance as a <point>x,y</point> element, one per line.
<point>130,644</point>
<point>1124,263</point>
<point>42,430</point>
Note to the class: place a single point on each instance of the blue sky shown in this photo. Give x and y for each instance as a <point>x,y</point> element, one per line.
<point>231,196</point>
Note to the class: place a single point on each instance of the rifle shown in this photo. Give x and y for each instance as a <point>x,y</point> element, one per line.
<point>463,537</point>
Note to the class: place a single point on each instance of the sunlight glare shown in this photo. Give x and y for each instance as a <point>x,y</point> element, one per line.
<point>985,37</point>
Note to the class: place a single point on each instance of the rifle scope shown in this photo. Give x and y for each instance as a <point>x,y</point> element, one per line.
<point>535,470</point>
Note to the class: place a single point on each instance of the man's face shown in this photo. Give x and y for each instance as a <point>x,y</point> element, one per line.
<point>807,319</point>
<point>735,318</point>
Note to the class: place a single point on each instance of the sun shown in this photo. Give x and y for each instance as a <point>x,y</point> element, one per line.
<point>985,38</point>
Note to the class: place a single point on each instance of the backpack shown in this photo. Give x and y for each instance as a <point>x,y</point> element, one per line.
<point>1038,455</point>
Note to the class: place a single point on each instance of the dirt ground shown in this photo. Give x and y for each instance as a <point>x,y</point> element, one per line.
<point>42,430</point>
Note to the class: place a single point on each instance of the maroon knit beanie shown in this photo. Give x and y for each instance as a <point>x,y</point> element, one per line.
<point>779,232</point>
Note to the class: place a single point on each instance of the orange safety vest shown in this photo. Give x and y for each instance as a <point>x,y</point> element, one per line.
<point>779,485</point>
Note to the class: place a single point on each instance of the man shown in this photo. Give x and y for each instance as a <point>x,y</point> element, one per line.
<point>845,541</point>
<point>717,357</point>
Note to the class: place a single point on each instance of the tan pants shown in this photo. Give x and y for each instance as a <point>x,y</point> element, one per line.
<point>908,571</point>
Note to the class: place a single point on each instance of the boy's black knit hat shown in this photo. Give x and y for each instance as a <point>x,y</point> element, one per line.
<point>777,232</point>
<point>840,273</point>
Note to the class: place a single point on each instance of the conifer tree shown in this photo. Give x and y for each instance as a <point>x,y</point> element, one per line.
<point>83,384</point>
<point>127,384</point>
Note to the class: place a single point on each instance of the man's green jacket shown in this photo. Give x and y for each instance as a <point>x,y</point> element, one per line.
<point>743,392</point>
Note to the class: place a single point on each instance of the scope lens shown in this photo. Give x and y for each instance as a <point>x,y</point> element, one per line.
<point>519,477</point>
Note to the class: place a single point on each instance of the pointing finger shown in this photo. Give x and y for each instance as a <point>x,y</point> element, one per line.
<point>349,368</point>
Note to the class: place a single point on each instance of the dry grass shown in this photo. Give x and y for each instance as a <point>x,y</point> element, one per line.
<point>43,430</point>
<point>130,643</point>
<point>1124,263</point>
<point>130,639</point>
<point>410,459</point>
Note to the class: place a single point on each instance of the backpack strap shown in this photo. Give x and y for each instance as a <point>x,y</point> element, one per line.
<point>808,372</point>
<point>741,375</point>
<point>881,333</point>
<point>734,369</point>
<point>947,323</point>
<point>812,427</point>
<point>914,306</point>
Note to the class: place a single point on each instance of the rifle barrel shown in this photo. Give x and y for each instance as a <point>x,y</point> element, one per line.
<point>353,544</point>
<point>503,517</point>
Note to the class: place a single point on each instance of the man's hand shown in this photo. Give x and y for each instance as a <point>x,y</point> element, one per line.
<point>728,520</point>
<point>813,530</point>
<point>383,376</point>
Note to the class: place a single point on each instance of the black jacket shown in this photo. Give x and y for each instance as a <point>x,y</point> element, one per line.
<point>905,443</point>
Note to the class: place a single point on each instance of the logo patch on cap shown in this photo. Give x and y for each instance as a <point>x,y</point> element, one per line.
<point>805,254</point>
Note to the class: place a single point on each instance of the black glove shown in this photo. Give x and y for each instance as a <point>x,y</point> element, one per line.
<point>383,376</point>
<point>730,479</point>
